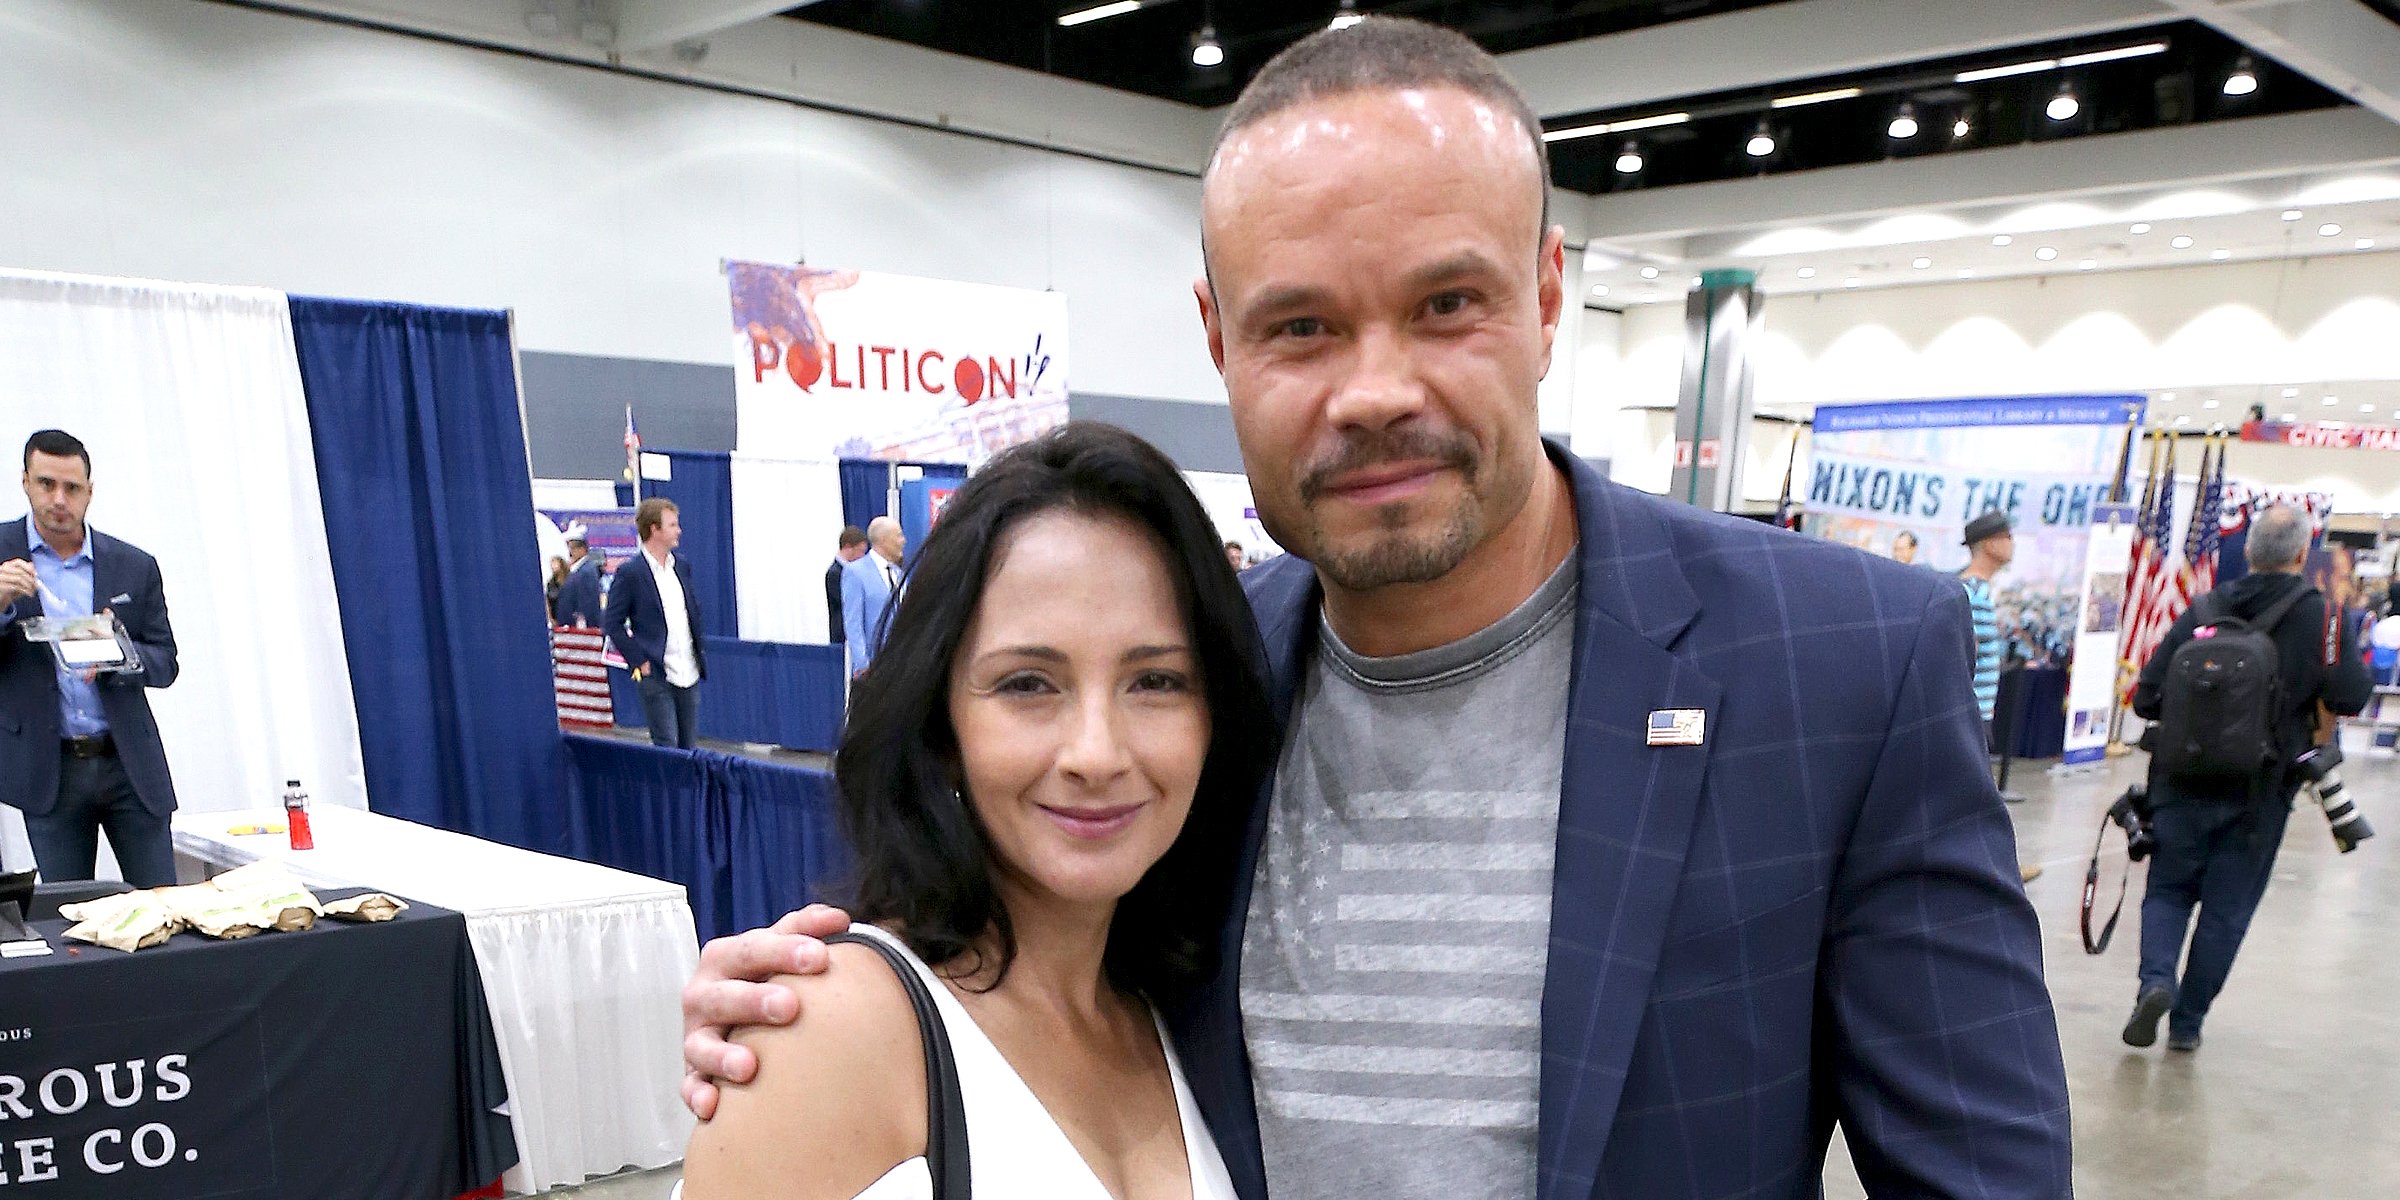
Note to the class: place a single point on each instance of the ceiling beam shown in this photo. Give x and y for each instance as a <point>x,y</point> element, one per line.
<point>1805,39</point>
<point>651,24</point>
<point>2181,157</point>
<point>2342,44</point>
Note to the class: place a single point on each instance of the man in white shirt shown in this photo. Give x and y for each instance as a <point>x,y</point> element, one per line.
<point>654,622</point>
<point>869,586</point>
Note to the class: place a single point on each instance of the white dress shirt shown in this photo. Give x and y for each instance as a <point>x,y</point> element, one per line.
<point>683,667</point>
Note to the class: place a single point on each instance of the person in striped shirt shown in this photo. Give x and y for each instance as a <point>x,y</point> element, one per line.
<point>1991,545</point>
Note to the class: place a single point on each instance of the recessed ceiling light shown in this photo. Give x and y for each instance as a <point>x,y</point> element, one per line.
<point>2288,393</point>
<point>1904,123</point>
<point>1629,160</point>
<point>1960,128</point>
<point>2141,227</point>
<point>1207,51</point>
<point>1599,289</point>
<point>2363,244</point>
<point>1098,12</point>
<point>2003,240</point>
<point>2183,241</point>
<point>2064,105</point>
<point>1649,272</point>
<point>2291,214</point>
<point>2167,397</point>
<point>2220,255</point>
<point>2291,416</point>
<point>1921,263</point>
<point>2244,79</point>
<point>1697,281</point>
<point>2046,253</point>
<point>1808,272</point>
<point>2329,229</point>
<point>2183,420</point>
<point>1964,273</point>
<point>2333,399</point>
<point>1850,283</point>
<point>1762,142</point>
<point>1347,16</point>
<point>2208,404</point>
<point>2088,264</point>
<point>2366,408</point>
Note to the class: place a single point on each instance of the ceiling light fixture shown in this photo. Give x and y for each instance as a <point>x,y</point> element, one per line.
<point>2219,255</point>
<point>1098,12</point>
<point>2064,105</point>
<point>1904,123</point>
<point>1807,98</point>
<point>1629,160</point>
<point>2089,264</point>
<point>2291,214</point>
<point>2288,393</point>
<point>2332,400</point>
<point>2003,240</point>
<point>1965,273</point>
<point>1921,263</point>
<point>2184,420</point>
<point>2046,253</point>
<point>2120,54</point>
<point>1583,131</point>
<point>1206,50</point>
<point>1850,283</point>
<point>2329,229</point>
<point>1599,289</point>
<point>1808,272</point>
<point>2291,416</point>
<point>1649,272</point>
<point>2244,79</point>
<point>2366,408</point>
<point>1347,16</point>
<point>1960,128</point>
<point>2141,227</point>
<point>2208,403</point>
<point>1762,142</point>
<point>2023,68</point>
<point>2183,241</point>
<point>2363,244</point>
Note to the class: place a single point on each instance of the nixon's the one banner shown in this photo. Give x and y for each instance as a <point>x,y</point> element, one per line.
<point>835,364</point>
<point>1927,467</point>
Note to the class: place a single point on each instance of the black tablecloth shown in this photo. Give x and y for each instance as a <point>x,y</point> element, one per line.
<point>350,1061</point>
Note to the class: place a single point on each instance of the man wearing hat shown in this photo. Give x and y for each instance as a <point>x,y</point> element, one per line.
<point>1990,546</point>
<point>579,596</point>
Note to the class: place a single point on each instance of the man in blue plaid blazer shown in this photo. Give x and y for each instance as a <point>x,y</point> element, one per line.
<point>1616,849</point>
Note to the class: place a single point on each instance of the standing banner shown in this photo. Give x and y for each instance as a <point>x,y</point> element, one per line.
<point>2092,680</point>
<point>832,364</point>
<point>1927,467</point>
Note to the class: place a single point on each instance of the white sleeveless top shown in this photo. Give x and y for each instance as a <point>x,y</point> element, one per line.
<point>1014,1147</point>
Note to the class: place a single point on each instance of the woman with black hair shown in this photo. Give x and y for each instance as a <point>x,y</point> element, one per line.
<point>1043,776</point>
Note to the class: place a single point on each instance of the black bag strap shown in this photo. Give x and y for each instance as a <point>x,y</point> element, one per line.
<point>945,1107</point>
<point>2264,622</point>
<point>2091,895</point>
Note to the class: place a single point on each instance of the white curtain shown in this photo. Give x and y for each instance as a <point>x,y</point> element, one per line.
<point>787,516</point>
<point>189,398</point>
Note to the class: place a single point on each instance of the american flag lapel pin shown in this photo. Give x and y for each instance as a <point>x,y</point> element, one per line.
<point>1678,726</point>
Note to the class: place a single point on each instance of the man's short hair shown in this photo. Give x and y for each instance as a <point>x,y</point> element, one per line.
<point>57,443</point>
<point>650,515</point>
<point>2279,538</point>
<point>852,535</point>
<point>1383,54</point>
<point>1902,536</point>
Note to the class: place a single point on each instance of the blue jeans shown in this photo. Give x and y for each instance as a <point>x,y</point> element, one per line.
<point>2218,857</point>
<point>95,794</point>
<point>673,712</point>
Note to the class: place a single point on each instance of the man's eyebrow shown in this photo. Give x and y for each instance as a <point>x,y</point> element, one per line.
<point>1459,265</point>
<point>1284,297</point>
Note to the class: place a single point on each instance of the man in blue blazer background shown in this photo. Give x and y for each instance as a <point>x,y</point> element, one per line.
<point>579,597</point>
<point>653,619</point>
<point>1617,848</point>
<point>79,750</point>
<point>869,583</point>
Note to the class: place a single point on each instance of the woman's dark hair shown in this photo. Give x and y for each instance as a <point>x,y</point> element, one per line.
<point>923,857</point>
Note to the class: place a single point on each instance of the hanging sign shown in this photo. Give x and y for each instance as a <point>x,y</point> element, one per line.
<point>2323,435</point>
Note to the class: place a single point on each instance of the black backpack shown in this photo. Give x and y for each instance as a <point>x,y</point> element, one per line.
<point>2223,688</point>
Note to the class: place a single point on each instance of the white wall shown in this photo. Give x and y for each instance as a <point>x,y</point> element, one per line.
<point>195,141</point>
<point>2332,318</point>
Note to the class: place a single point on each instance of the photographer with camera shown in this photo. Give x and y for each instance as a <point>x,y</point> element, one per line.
<point>2235,688</point>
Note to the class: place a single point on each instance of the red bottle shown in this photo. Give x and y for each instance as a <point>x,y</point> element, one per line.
<point>295,815</point>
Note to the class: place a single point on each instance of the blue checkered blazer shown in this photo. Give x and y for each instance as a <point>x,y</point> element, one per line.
<point>1813,918</point>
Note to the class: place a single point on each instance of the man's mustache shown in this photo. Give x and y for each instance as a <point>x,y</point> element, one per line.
<point>1361,451</point>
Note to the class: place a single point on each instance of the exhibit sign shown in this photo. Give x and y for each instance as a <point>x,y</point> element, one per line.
<point>1927,467</point>
<point>832,364</point>
<point>2323,435</point>
<point>2092,679</point>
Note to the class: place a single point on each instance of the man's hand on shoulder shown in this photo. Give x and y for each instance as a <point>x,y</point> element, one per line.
<point>732,988</point>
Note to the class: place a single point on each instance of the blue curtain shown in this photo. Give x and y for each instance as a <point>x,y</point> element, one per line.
<point>866,486</point>
<point>429,515</point>
<point>749,841</point>
<point>773,693</point>
<point>702,490</point>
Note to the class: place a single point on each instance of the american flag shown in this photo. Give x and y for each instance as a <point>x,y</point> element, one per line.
<point>633,449</point>
<point>2150,569</point>
<point>2207,533</point>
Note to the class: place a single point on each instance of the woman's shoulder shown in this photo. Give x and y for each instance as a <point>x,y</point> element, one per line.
<point>839,1097</point>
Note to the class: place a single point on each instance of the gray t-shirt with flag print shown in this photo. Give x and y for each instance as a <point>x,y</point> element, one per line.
<point>1399,927</point>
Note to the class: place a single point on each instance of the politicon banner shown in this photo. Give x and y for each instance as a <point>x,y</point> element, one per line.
<point>832,364</point>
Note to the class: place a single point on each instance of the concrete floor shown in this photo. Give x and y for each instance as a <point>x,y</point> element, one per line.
<point>2291,1094</point>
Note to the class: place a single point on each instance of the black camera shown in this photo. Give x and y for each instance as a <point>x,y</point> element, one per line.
<point>2320,770</point>
<point>2131,813</point>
